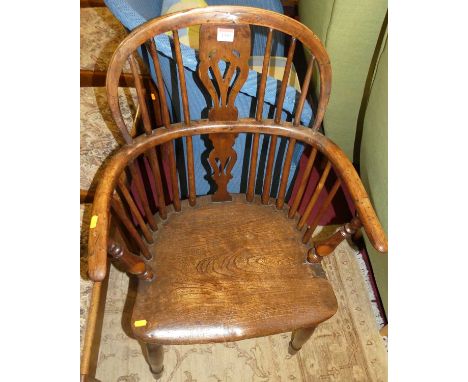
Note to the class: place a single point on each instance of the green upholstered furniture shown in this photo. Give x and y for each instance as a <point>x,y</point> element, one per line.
<point>356,117</point>
<point>349,29</point>
<point>373,161</point>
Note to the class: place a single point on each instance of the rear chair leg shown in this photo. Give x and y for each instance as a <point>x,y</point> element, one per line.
<point>155,359</point>
<point>298,338</point>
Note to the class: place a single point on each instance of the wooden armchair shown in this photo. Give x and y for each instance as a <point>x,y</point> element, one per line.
<point>221,267</point>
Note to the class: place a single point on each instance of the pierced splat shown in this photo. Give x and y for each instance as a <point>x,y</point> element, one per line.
<point>231,44</point>
<point>222,159</point>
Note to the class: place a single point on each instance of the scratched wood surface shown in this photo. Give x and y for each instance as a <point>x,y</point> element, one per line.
<point>347,347</point>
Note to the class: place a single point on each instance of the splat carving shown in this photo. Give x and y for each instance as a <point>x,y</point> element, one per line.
<point>224,53</point>
<point>235,54</point>
<point>222,159</point>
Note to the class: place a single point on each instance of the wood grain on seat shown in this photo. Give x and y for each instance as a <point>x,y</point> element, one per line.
<point>229,271</point>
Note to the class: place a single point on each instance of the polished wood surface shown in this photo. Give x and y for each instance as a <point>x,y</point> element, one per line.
<point>236,56</point>
<point>236,270</point>
<point>223,92</point>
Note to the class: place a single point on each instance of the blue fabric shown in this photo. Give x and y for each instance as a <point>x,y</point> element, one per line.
<point>132,13</point>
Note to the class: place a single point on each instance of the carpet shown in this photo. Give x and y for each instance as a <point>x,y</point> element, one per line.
<point>100,34</point>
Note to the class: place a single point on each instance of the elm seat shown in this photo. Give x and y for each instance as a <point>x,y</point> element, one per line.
<point>220,270</point>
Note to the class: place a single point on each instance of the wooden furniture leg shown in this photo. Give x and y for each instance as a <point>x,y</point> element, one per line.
<point>298,338</point>
<point>384,331</point>
<point>92,340</point>
<point>155,359</point>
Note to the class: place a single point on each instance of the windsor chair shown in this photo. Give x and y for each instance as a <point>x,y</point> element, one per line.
<point>221,267</point>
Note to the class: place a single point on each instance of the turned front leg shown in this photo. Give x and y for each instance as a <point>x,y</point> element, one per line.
<point>299,338</point>
<point>155,359</point>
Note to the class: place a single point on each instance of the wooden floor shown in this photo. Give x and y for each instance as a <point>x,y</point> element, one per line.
<point>348,347</point>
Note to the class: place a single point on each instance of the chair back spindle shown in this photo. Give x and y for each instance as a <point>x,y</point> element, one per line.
<point>122,188</point>
<point>278,112</point>
<point>169,149</point>
<point>185,105</point>
<point>118,209</point>
<point>259,115</point>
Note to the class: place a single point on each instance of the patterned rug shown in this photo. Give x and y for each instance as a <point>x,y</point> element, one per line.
<point>100,34</point>
<point>99,135</point>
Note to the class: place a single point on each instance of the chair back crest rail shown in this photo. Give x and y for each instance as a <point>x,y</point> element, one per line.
<point>132,195</point>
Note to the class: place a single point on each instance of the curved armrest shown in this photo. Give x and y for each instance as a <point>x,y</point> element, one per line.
<point>347,173</point>
<point>99,229</point>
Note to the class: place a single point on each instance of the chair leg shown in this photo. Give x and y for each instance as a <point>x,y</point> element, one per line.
<point>298,338</point>
<point>155,359</point>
